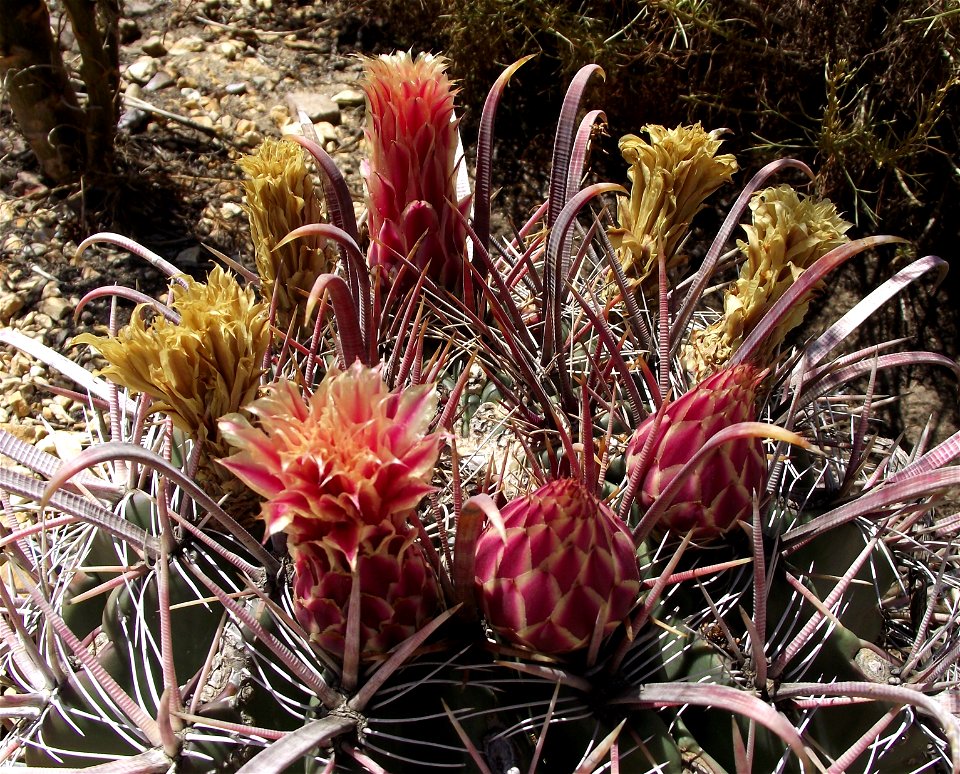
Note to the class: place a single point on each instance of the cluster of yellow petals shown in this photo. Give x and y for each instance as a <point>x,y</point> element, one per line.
<point>280,197</point>
<point>788,233</point>
<point>671,176</point>
<point>207,365</point>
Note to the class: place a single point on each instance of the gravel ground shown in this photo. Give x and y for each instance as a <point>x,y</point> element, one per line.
<point>203,83</point>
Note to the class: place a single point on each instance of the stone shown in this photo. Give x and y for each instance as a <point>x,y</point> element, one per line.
<point>162,79</point>
<point>230,210</point>
<point>240,87</point>
<point>55,307</point>
<point>231,49</point>
<point>133,120</point>
<point>327,132</point>
<point>191,98</point>
<point>128,30</point>
<point>143,69</point>
<point>138,7</point>
<point>349,98</point>
<point>318,107</point>
<point>245,125</point>
<point>279,115</point>
<point>250,139</point>
<point>10,304</point>
<point>17,404</point>
<point>188,257</point>
<point>153,46</point>
<point>28,433</point>
<point>186,45</point>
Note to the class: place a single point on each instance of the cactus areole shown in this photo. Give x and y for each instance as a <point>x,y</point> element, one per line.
<point>565,567</point>
<point>720,488</point>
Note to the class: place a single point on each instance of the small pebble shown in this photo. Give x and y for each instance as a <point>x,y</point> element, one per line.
<point>186,45</point>
<point>143,69</point>
<point>161,80</point>
<point>153,46</point>
<point>349,98</point>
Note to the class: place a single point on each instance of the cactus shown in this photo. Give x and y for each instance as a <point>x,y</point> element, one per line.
<point>511,523</point>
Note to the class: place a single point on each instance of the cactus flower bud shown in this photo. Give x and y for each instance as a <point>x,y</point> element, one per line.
<point>565,566</point>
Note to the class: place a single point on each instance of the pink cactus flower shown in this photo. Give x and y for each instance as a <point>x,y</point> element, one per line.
<point>721,488</point>
<point>414,211</point>
<point>342,472</point>
<point>399,593</point>
<point>566,568</point>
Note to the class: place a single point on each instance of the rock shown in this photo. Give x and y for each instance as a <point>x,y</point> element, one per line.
<point>55,307</point>
<point>327,132</point>
<point>28,184</point>
<point>153,46</point>
<point>138,7</point>
<point>17,404</point>
<point>318,107</point>
<point>143,69</point>
<point>161,80</point>
<point>279,116</point>
<point>250,139</point>
<point>186,45</point>
<point>230,210</point>
<point>10,304</point>
<point>188,258</point>
<point>191,98</point>
<point>349,98</point>
<point>133,120</point>
<point>236,88</point>
<point>28,433</point>
<point>231,49</point>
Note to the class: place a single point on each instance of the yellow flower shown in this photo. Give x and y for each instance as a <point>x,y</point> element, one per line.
<point>279,198</point>
<point>196,371</point>
<point>788,233</point>
<point>670,177</point>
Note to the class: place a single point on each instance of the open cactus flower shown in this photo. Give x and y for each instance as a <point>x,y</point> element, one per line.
<point>421,497</point>
<point>341,473</point>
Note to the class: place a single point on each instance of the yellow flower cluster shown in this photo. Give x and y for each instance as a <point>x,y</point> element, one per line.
<point>279,198</point>
<point>788,233</point>
<point>671,176</point>
<point>196,371</point>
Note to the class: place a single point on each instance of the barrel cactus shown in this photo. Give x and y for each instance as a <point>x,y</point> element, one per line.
<point>489,503</point>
